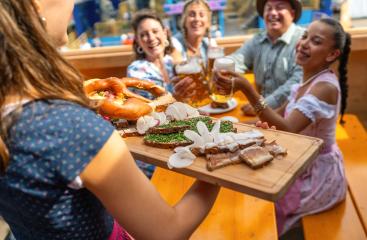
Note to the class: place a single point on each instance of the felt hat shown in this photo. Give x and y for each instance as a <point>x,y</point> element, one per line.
<point>296,5</point>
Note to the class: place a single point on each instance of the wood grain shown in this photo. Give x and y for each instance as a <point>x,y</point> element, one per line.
<point>233,216</point>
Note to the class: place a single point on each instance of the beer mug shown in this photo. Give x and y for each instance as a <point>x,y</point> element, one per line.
<point>222,64</point>
<point>213,53</point>
<point>193,69</point>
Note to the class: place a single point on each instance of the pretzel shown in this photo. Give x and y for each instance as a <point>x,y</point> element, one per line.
<point>117,101</point>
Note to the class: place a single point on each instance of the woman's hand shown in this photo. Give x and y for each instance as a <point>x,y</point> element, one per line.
<point>227,81</point>
<point>248,110</point>
<point>264,125</point>
<point>184,88</point>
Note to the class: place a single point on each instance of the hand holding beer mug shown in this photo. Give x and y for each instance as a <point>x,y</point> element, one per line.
<point>222,83</point>
<point>191,73</point>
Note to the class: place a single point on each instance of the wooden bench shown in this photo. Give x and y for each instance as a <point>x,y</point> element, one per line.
<point>233,216</point>
<point>348,219</point>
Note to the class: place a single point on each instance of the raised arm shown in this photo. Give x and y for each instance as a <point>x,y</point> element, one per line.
<point>134,202</point>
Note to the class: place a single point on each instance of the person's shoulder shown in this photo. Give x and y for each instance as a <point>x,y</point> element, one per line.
<point>137,62</point>
<point>259,37</point>
<point>177,44</point>
<point>298,30</point>
<point>178,36</point>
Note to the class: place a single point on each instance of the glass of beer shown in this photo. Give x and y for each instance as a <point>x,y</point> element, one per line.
<point>213,53</point>
<point>193,69</point>
<point>222,64</point>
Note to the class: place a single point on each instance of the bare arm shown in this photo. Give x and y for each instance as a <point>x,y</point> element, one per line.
<point>296,121</point>
<point>134,202</point>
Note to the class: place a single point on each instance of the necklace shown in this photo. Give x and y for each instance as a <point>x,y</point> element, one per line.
<point>313,77</point>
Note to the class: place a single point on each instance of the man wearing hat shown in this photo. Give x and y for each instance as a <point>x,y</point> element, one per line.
<point>271,54</point>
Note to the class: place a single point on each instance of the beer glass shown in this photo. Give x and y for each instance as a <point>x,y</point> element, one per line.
<point>222,64</point>
<point>213,53</point>
<point>193,69</point>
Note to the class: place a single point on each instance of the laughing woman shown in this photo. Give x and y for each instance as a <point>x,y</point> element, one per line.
<point>195,26</point>
<point>152,46</point>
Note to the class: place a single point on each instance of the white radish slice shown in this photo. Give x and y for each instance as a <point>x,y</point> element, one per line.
<point>173,112</point>
<point>204,132</point>
<point>191,112</point>
<point>181,110</point>
<point>193,136</point>
<point>181,159</point>
<point>142,125</point>
<point>159,116</point>
<point>215,132</point>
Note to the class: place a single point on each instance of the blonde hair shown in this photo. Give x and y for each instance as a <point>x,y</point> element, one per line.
<point>30,66</point>
<point>185,15</point>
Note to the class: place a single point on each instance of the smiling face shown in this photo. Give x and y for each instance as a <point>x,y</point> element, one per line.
<point>57,14</point>
<point>316,49</point>
<point>197,20</point>
<point>151,37</point>
<point>278,17</point>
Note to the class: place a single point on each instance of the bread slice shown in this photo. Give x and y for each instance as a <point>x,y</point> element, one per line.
<point>171,140</point>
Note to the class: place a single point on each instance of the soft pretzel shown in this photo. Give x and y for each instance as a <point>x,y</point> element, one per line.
<point>117,101</point>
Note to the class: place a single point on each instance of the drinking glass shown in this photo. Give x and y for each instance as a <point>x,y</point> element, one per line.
<point>222,64</point>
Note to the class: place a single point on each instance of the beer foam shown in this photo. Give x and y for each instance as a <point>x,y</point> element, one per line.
<point>215,52</point>
<point>188,68</point>
<point>224,64</point>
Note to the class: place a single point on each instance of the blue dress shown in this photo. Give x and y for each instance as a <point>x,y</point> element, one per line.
<point>50,144</point>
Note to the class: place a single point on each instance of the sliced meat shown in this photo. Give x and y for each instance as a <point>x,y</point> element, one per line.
<point>215,161</point>
<point>255,156</point>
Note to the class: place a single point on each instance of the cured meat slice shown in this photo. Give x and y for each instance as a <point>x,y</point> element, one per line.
<point>215,161</point>
<point>255,156</point>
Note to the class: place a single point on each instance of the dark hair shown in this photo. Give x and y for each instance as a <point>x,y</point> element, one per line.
<point>137,19</point>
<point>342,41</point>
<point>30,65</point>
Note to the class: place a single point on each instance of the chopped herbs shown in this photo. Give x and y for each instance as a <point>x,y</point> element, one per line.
<point>167,138</point>
<point>226,126</point>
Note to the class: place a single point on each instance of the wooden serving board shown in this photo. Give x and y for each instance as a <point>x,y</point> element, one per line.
<point>269,182</point>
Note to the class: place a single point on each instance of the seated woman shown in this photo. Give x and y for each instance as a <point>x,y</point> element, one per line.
<point>194,40</point>
<point>65,173</point>
<point>152,46</point>
<point>312,109</point>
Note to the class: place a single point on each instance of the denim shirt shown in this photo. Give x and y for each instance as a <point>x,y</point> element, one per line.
<point>273,64</point>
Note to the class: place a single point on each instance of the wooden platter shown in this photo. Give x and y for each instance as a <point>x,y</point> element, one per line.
<point>269,182</point>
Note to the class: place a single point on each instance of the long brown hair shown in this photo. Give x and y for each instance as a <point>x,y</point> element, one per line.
<point>30,65</point>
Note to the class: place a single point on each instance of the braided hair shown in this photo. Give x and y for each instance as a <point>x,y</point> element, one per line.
<point>342,41</point>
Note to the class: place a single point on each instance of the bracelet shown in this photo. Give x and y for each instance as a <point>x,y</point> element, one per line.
<point>260,105</point>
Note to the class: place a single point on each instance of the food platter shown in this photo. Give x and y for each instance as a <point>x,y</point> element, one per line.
<point>269,182</point>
